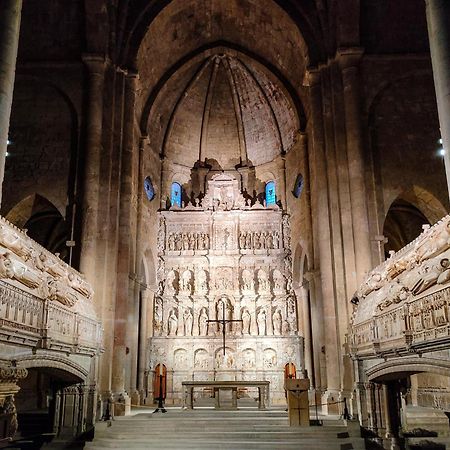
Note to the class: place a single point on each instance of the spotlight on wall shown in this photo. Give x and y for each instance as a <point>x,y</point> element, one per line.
<point>440,141</point>
<point>8,142</point>
<point>441,151</point>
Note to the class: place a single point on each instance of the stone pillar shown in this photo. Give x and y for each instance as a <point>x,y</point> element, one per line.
<point>307,329</point>
<point>146,317</point>
<point>123,332</point>
<point>323,247</point>
<point>9,42</point>
<point>438,20</point>
<point>96,65</point>
<point>349,63</point>
<point>9,377</point>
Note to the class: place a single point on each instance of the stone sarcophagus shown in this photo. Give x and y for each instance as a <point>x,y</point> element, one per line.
<point>224,258</point>
<point>403,304</point>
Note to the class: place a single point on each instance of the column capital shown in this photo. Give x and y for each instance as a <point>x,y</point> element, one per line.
<point>312,77</point>
<point>348,57</point>
<point>12,374</point>
<point>96,63</point>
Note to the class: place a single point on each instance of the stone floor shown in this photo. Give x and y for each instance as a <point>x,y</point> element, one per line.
<point>206,428</point>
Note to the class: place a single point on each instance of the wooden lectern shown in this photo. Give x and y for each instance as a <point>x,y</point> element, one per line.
<point>297,399</point>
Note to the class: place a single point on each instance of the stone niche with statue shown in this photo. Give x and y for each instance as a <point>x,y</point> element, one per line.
<point>225,256</point>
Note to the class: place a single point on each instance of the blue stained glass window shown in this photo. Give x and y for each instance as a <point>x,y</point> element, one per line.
<point>270,193</point>
<point>175,194</point>
<point>149,189</point>
<point>298,186</point>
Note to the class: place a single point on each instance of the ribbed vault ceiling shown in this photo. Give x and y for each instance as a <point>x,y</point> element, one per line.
<point>230,111</point>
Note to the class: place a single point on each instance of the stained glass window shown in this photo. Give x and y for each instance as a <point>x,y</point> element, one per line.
<point>298,186</point>
<point>270,193</point>
<point>149,190</point>
<point>175,195</point>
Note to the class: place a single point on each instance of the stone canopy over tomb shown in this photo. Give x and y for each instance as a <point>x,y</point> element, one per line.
<point>225,255</point>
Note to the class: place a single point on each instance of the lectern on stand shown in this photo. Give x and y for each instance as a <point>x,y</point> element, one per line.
<point>297,399</point>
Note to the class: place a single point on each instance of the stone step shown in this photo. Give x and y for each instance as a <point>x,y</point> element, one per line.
<point>228,430</point>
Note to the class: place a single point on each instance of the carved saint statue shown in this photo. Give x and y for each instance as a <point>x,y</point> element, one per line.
<point>172,325</point>
<point>247,280</point>
<point>203,323</point>
<point>277,322</point>
<point>186,281</point>
<point>263,282</point>
<point>201,282</point>
<point>261,321</point>
<point>171,242</point>
<point>188,320</point>
<point>170,281</point>
<point>246,319</point>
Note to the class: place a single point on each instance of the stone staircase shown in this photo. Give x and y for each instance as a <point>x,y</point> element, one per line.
<point>223,430</point>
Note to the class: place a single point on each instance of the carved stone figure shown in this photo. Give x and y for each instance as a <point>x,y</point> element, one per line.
<point>262,322</point>
<point>6,269</point>
<point>170,282</point>
<point>263,282</point>
<point>201,359</point>
<point>186,282</point>
<point>171,242</point>
<point>277,323</point>
<point>172,323</point>
<point>248,283</point>
<point>201,281</point>
<point>158,315</point>
<point>202,322</point>
<point>188,321</point>
<point>248,357</point>
<point>276,239</point>
<point>279,284</point>
<point>246,321</point>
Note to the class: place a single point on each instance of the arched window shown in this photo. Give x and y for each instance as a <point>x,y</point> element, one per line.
<point>175,195</point>
<point>271,197</point>
<point>298,186</point>
<point>149,189</point>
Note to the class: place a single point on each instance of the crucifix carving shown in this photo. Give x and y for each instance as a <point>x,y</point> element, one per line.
<point>223,321</point>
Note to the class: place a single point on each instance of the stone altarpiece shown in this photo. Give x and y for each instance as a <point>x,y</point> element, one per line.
<point>223,251</point>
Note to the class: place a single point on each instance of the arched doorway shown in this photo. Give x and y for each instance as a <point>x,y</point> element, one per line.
<point>51,403</point>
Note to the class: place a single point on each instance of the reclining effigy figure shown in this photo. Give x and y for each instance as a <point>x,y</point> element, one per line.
<point>434,243</point>
<point>24,274</point>
<point>60,292</point>
<point>10,239</point>
<point>78,284</point>
<point>374,282</point>
<point>6,269</point>
<point>426,275</point>
<point>51,265</point>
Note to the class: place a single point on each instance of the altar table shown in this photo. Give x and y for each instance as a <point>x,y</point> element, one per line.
<point>188,391</point>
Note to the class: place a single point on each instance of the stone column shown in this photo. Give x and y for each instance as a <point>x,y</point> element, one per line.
<point>349,63</point>
<point>9,377</point>
<point>146,317</point>
<point>323,248</point>
<point>9,42</point>
<point>123,330</point>
<point>438,20</point>
<point>96,65</point>
<point>307,333</point>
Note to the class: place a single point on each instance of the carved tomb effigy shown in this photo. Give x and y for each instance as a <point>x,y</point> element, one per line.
<point>224,255</point>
